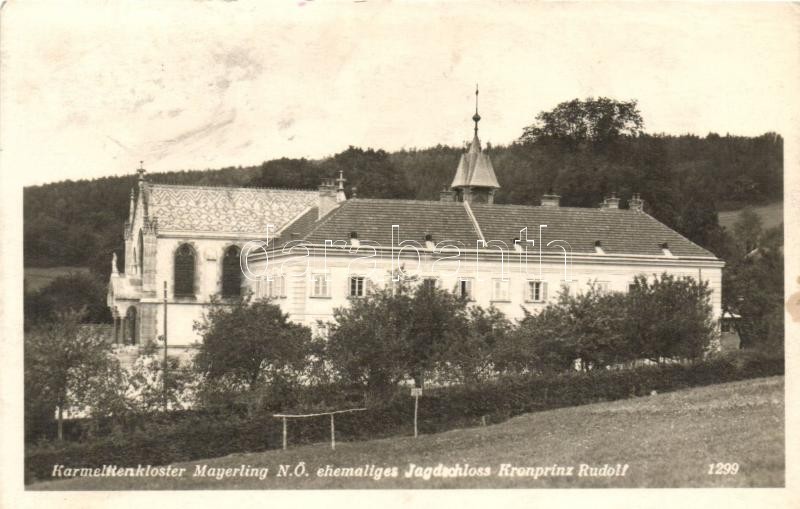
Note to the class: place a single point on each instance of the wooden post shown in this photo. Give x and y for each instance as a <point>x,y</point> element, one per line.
<point>416,407</point>
<point>284,433</point>
<point>333,434</point>
<point>166,364</point>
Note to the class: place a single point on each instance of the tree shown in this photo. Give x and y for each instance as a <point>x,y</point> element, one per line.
<point>753,282</point>
<point>597,122</point>
<point>395,333</point>
<point>249,343</point>
<point>468,355</point>
<point>669,317</point>
<point>747,229</point>
<point>64,363</point>
<point>74,292</point>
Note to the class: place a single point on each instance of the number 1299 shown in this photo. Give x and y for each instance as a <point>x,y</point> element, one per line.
<point>723,468</point>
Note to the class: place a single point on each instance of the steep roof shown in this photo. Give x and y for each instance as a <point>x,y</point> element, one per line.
<point>227,210</point>
<point>475,168</point>
<point>620,231</point>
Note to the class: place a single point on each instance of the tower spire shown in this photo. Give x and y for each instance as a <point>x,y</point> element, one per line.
<point>476,117</point>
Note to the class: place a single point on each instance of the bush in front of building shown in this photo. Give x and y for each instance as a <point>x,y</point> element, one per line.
<point>201,434</point>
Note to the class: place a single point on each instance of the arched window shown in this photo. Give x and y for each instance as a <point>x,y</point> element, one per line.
<point>184,271</point>
<point>132,331</point>
<point>231,273</point>
<point>141,252</point>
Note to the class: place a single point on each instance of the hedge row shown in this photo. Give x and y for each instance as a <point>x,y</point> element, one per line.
<point>199,435</point>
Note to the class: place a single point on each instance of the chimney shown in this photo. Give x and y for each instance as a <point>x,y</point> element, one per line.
<point>447,195</point>
<point>612,202</point>
<point>636,203</point>
<point>327,197</point>
<point>550,200</point>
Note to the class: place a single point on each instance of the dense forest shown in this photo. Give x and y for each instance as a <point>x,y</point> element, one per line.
<point>685,180</point>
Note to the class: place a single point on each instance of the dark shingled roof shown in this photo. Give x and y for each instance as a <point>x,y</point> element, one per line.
<point>373,220</point>
<point>620,231</point>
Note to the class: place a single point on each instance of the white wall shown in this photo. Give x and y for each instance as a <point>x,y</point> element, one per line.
<point>306,309</point>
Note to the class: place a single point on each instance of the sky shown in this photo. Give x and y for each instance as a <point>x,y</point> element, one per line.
<point>90,90</point>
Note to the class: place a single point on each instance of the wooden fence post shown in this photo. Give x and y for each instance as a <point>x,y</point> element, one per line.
<point>333,435</point>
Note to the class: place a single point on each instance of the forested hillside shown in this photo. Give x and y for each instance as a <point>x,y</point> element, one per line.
<point>684,180</point>
<point>583,150</point>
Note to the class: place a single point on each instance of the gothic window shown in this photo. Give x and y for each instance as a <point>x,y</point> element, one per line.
<point>132,333</point>
<point>231,273</point>
<point>184,271</point>
<point>141,252</point>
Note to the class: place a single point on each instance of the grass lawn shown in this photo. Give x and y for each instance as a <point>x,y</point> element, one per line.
<point>771,215</point>
<point>666,440</point>
<point>39,277</point>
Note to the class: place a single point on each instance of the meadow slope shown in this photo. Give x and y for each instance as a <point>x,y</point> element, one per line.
<point>667,440</point>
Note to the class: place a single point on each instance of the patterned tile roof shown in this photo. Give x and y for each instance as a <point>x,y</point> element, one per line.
<point>623,232</point>
<point>229,210</point>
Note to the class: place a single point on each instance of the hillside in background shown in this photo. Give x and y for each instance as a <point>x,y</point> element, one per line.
<point>771,215</point>
<point>685,181</point>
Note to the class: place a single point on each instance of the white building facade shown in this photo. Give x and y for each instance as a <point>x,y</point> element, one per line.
<point>516,258</point>
<point>188,240</point>
<point>314,251</point>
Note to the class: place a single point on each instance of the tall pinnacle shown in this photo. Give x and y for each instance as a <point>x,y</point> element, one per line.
<point>476,118</point>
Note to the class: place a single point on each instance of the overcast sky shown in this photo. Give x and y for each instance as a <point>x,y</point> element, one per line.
<point>90,90</point>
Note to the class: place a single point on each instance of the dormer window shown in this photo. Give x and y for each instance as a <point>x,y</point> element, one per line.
<point>665,249</point>
<point>598,247</point>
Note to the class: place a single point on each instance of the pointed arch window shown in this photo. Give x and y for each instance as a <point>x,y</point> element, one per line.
<point>141,252</point>
<point>184,271</point>
<point>231,273</point>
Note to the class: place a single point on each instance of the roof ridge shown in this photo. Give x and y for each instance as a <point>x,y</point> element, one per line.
<point>474,220</point>
<point>399,200</point>
<point>228,188</point>
<point>560,207</point>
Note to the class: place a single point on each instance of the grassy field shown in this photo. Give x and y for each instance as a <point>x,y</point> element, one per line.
<point>39,277</point>
<point>771,215</point>
<point>666,440</point>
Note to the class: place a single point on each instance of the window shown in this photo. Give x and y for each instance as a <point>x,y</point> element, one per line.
<point>183,284</point>
<point>357,284</point>
<point>500,290</point>
<point>465,288</point>
<point>274,288</point>
<point>535,291</point>
<point>429,283</point>
<point>231,273</point>
<point>320,286</point>
<point>602,286</point>
<point>141,252</point>
<point>631,287</point>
